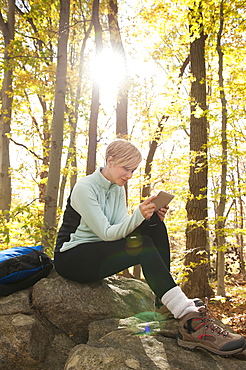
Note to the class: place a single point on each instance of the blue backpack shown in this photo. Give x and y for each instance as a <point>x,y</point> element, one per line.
<point>22,267</point>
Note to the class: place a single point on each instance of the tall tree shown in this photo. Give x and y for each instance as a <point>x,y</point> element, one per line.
<point>74,115</point>
<point>92,145</point>
<point>196,232</point>
<point>7,29</point>
<point>57,122</point>
<point>240,223</point>
<point>220,222</point>
<point>118,48</point>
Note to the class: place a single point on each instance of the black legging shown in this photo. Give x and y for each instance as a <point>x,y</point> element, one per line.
<point>148,246</point>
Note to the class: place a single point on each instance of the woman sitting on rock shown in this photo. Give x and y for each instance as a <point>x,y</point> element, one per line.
<point>98,239</point>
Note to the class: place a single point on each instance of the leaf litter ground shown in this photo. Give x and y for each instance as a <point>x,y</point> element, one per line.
<point>232,309</point>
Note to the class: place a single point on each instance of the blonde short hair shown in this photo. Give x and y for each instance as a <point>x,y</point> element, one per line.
<point>124,153</point>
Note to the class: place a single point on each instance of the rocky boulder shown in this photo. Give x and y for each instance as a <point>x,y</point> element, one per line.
<point>127,346</point>
<point>62,325</point>
<point>72,306</point>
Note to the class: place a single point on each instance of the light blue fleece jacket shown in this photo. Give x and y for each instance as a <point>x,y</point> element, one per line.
<point>103,211</point>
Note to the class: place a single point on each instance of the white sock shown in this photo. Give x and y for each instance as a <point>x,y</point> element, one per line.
<point>177,302</point>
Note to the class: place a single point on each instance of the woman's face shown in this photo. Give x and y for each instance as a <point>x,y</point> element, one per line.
<point>119,174</point>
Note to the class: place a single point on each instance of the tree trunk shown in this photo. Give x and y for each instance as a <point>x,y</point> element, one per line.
<point>219,227</point>
<point>196,232</point>
<point>73,120</point>
<point>57,127</point>
<point>5,117</point>
<point>241,225</point>
<point>92,145</point>
<point>122,93</point>
<point>70,161</point>
<point>118,48</point>
<point>46,136</point>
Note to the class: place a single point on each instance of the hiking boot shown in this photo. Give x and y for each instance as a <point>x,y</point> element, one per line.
<point>197,330</point>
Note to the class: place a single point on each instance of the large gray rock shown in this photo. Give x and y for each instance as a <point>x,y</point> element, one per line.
<point>127,345</point>
<point>62,325</point>
<point>72,306</point>
<point>24,340</point>
<point>16,303</point>
<point>39,326</point>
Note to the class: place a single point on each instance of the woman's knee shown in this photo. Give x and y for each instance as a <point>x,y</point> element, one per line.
<point>136,243</point>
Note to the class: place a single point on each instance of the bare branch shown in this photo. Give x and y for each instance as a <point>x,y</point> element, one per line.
<point>24,146</point>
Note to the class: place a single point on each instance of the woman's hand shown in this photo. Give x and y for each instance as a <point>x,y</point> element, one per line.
<point>147,208</point>
<point>162,212</point>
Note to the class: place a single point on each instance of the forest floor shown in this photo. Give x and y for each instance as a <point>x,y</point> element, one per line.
<point>232,309</point>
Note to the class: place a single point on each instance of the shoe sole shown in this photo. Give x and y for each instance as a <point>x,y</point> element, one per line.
<point>190,346</point>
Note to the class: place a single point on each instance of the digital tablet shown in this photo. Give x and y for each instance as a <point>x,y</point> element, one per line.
<point>163,198</point>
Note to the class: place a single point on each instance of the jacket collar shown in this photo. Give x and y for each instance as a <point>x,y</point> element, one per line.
<point>102,181</point>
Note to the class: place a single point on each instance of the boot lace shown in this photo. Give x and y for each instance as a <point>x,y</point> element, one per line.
<point>209,323</point>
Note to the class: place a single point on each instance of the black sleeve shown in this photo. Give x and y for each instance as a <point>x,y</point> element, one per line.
<point>71,220</point>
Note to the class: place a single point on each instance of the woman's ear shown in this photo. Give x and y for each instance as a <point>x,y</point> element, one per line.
<point>110,161</point>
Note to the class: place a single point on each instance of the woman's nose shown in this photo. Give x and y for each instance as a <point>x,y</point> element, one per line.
<point>129,174</point>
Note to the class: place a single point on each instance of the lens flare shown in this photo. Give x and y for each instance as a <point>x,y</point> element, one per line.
<point>134,244</point>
